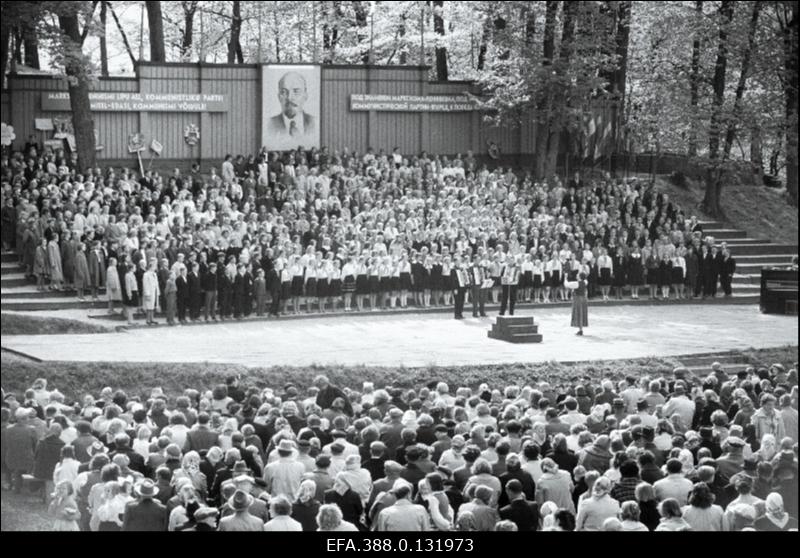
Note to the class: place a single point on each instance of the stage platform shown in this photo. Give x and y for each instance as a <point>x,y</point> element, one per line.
<point>420,340</point>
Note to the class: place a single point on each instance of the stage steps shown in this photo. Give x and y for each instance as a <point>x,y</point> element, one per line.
<point>515,329</point>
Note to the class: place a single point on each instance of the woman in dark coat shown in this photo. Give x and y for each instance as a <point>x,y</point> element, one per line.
<point>710,273</point>
<point>347,499</point>
<point>580,307</point>
<point>635,271</point>
<point>47,456</point>
<point>305,508</point>
<point>620,272</point>
<point>692,271</point>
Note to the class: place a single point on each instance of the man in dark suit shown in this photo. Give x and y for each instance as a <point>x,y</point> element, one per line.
<point>460,280</point>
<point>195,292</point>
<point>183,295</point>
<point>242,293</point>
<point>522,512</point>
<point>208,283</point>
<point>293,124</point>
<point>274,287</point>
<point>727,267</point>
<point>145,514</point>
<point>122,445</point>
<point>201,437</point>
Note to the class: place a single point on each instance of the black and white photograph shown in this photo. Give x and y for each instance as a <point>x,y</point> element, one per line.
<point>398,274</point>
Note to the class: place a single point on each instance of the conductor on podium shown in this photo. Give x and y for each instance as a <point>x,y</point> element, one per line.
<point>509,280</point>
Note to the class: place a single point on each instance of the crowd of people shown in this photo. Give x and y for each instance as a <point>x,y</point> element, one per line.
<point>676,452</point>
<point>320,231</point>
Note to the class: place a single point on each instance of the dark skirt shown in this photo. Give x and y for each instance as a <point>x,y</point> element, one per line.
<point>385,284</point>
<point>635,275</point>
<point>297,285</point>
<point>323,288</point>
<point>664,275</point>
<point>405,281</point>
<point>619,278</point>
<point>436,282</point>
<point>572,275</point>
<point>526,281</point>
<point>349,284</point>
<point>496,282</point>
<point>311,287</point>
<point>652,276</point>
<point>555,279</point>
<point>362,284</point>
<point>547,277</point>
<point>335,288</point>
<point>605,277</point>
<point>374,284</point>
<point>394,283</point>
<point>580,312</point>
<point>677,276</point>
<point>286,289</point>
<point>133,300</point>
<point>537,281</point>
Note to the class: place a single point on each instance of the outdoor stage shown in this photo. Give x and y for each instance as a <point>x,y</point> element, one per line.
<point>430,339</point>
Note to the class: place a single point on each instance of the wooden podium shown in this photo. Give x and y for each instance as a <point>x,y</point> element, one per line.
<point>515,329</point>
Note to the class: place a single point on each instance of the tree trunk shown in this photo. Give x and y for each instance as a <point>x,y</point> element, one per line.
<point>742,83</point>
<point>711,201</point>
<point>401,33</point>
<point>156,25</point>
<point>757,154</point>
<point>694,83</point>
<point>82,121</point>
<point>276,24</point>
<point>361,13</point>
<point>5,43</point>
<point>236,31</point>
<point>621,74</point>
<point>530,26</point>
<point>790,84</point>
<point>30,41</point>
<point>189,10</point>
<point>103,45</point>
<point>441,51</point>
<point>564,56</point>
<point>484,46</point>
<point>544,105</point>
<point>17,54</point>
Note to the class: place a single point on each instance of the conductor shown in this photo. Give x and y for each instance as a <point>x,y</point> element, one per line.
<point>580,307</point>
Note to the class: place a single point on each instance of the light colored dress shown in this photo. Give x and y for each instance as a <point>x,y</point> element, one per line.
<point>113,289</point>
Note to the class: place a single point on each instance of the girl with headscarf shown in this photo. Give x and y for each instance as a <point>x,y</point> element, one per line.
<point>347,499</point>
<point>190,468</point>
<point>306,507</point>
<point>768,449</point>
<point>776,518</point>
<point>593,511</point>
<point>466,522</point>
<point>547,516</point>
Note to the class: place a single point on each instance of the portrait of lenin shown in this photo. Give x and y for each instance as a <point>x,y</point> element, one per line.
<point>293,121</point>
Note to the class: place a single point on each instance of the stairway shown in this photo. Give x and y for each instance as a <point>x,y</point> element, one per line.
<point>751,254</point>
<point>700,364</point>
<point>515,329</point>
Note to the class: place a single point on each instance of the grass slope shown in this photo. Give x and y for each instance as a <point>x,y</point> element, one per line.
<point>23,324</point>
<point>77,378</point>
<point>761,211</point>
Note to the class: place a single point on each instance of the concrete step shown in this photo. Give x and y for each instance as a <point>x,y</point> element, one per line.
<point>514,329</point>
<point>29,291</point>
<point>765,260</point>
<point>712,224</point>
<point>6,257</point>
<point>763,250</point>
<point>514,320</point>
<point>741,241</point>
<point>706,370</point>
<point>747,279</point>
<point>723,234</point>
<point>14,280</point>
<point>522,338</point>
<point>10,268</point>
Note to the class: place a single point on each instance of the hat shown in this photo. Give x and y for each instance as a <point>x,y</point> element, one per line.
<point>173,450</point>
<point>323,461</point>
<point>618,402</point>
<point>735,441</point>
<point>146,488</point>
<point>97,447</point>
<point>240,500</point>
<point>244,478</point>
<point>286,445</point>
<point>679,389</point>
<point>642,405</point>
<point>303,443</point>
<point>394,412</point>
<point>458,441</point>
<point>205,512</point>
<point>240,468</point>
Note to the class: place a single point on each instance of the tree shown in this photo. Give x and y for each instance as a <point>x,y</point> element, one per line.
<point>790,85</point>
<point>78,76</point>
<point>441,49</point>
<point>694,81</point>
<point>711,201</point>
<point>103,45</point>
<point>234,45</point>
<point>155,22</point>
<point>189,11</point>
<point>122,33</point>
<point>30,42</point>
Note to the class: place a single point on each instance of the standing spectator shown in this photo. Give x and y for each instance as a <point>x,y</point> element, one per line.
<point>146,513</point>
<point>675,486</point>
<point>767,420</point>
<point>593,511</point>
<point>403,515</point>
<point>671,516</point>
<point>280,509</point>
<point>20,442</point>
<point>524,513</point>
<point>701,513</point>
<point>241,520</point>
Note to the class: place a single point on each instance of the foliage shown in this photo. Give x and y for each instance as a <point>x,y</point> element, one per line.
<point>23,324</point>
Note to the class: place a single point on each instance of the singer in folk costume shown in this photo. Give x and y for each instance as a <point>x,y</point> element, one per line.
<point>580,308</point>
